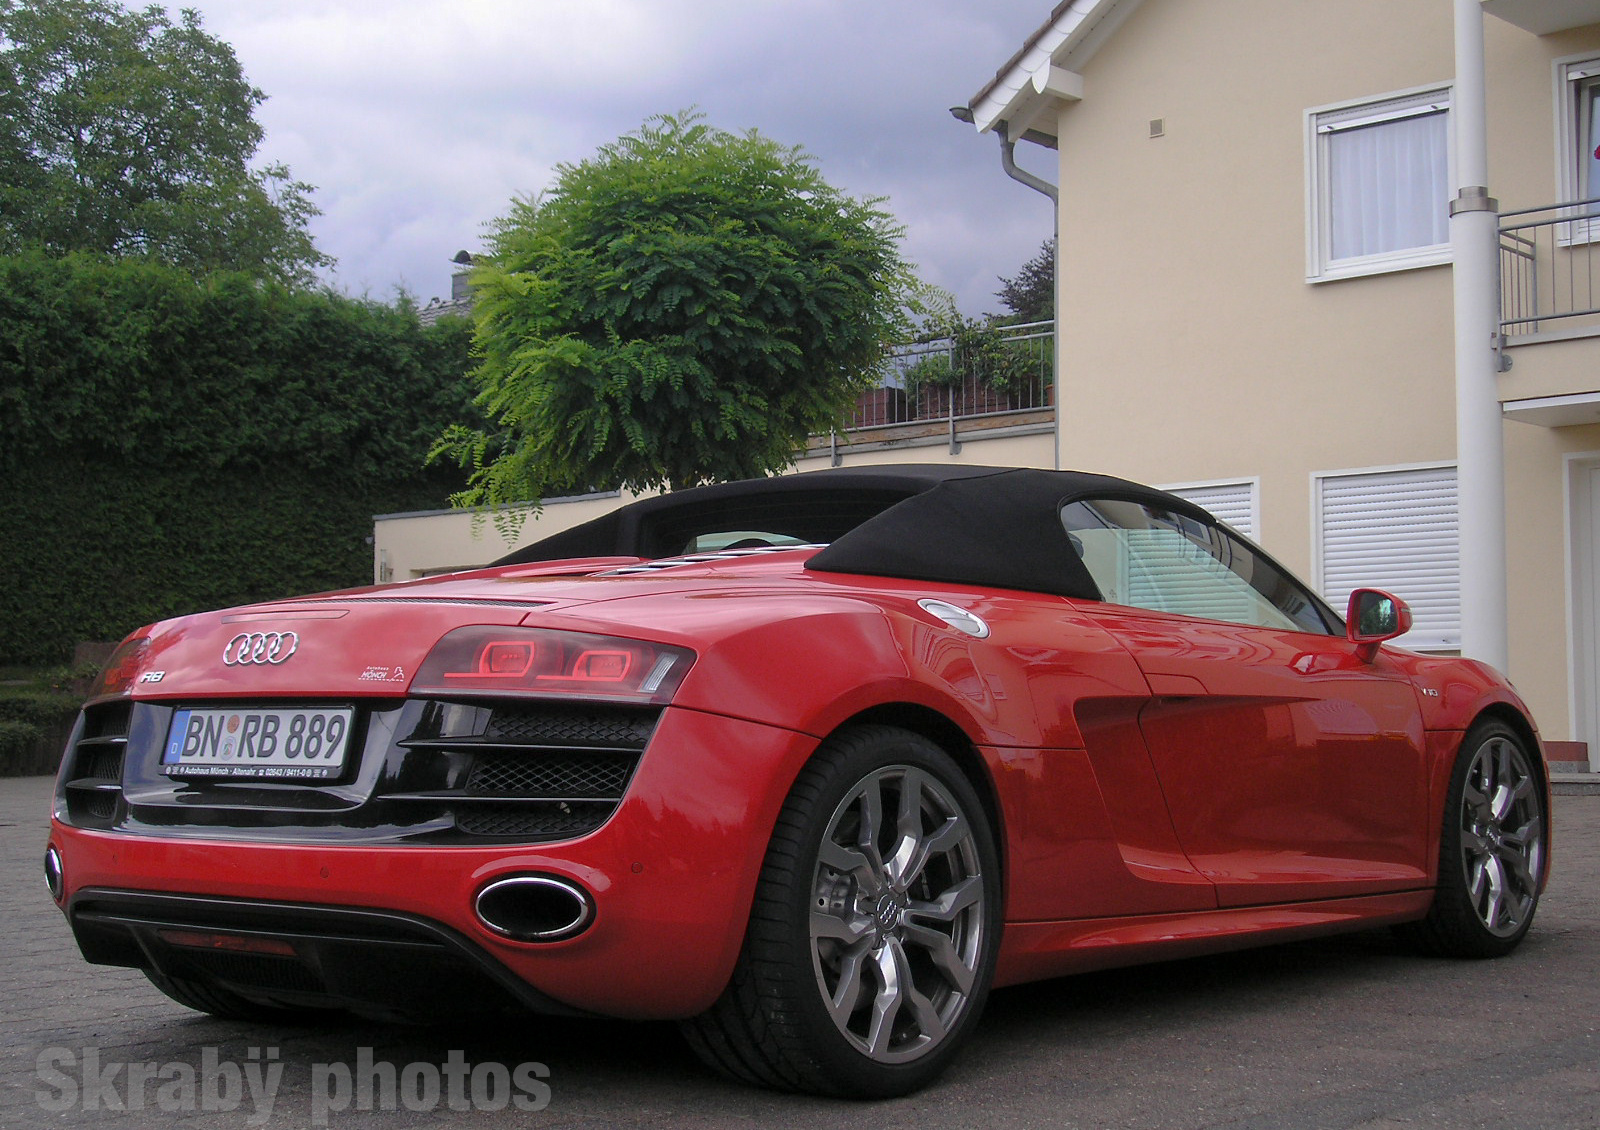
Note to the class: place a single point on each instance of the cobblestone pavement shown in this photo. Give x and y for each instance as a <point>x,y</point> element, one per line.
<point>1352,1032</point>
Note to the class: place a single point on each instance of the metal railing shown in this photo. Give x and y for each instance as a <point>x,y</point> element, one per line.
<point>1549,263</point>
<point>943,380</point>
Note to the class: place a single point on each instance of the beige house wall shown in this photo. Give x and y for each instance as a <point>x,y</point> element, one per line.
<point>1191,345</point>
<point>408,546</point>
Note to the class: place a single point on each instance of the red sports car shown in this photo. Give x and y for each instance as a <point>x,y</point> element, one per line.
<point>808,763</point>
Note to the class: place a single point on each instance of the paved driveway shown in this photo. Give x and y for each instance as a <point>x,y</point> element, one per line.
<point>1352,1032</point>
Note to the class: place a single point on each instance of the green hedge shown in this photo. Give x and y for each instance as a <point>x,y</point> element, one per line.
<point>18,743</point>
<point>174,444</point>
<point>30,706</point>
<point>95,552</point>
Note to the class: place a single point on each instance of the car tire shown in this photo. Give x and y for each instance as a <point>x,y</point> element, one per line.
<point>873,935</point>
<point>1492,849</point>
<point>228,1005</point>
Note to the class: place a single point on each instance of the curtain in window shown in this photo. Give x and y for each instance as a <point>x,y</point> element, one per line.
<point>1388,186</point>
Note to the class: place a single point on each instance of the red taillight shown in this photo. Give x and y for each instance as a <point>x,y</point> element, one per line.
<point>540,661</point>
<point>602,666</point>
<point>500,659</point>
<point>120,670</point>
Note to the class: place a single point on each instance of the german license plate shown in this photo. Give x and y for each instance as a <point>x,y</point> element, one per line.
<point>264,744</point>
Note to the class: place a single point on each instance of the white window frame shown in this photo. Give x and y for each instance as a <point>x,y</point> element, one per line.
<point>1251,487</point>
<point>1572,73</point>
<point>1320,123</point>
<point>1446,638</point>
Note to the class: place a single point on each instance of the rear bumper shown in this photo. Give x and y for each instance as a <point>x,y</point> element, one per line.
<point>671,877</point>
<point>389,966</point>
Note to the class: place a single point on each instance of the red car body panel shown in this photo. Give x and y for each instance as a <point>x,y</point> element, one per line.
<point>1161,785</point>
<point>672,873</point>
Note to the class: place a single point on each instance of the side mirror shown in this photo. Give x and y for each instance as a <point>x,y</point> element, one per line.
<point>1375,616</point>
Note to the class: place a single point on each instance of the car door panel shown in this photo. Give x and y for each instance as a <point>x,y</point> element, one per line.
<point>1090,834</point>
<point>1292,769</point>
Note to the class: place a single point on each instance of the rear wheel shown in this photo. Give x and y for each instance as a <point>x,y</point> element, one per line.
<point>872,940</point>
<point>1491,850</point>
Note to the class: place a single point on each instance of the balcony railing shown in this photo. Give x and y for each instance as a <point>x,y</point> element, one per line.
<point>1550,271</point>
<point>947,380</point>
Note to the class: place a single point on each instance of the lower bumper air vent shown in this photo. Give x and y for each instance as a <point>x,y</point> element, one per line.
<point>92,768</point>
<point>532,771</point>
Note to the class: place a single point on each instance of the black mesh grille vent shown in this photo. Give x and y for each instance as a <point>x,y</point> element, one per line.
<point>534,820</point>
<point>571,725</point>
<point>593,775</point>
<point>107,721</point>
<point>98,806</point>
<point>100,762</point>
<point>517,769</point>
<point>94,768</point>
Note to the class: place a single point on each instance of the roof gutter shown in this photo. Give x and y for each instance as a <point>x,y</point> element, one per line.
<point>1021,175</point>
<point>1008,160</point>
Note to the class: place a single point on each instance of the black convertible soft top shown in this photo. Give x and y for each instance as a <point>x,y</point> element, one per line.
<point>990,526</point>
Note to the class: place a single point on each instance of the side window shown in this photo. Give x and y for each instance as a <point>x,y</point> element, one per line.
<point>1231,502</point>
<point>1167,562</point>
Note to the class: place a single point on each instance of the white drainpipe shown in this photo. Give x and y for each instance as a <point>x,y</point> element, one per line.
<point>1480,443</point>
<point>1039,184</point>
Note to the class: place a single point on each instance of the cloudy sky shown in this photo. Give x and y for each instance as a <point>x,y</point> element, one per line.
<point>419,121</point>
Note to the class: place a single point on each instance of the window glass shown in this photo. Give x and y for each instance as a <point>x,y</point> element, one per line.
<point>1148,558</point>
<point>1589,138</point>
<point>1233,504</point>
<point>1388,186</point>
<point>1379,185</point>
<point>720,540</point>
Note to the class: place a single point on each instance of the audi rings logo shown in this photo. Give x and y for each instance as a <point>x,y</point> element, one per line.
<point>260,647</point>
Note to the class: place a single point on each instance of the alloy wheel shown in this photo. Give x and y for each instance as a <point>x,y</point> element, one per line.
<point>1502,836</point>
<point>898,914</point>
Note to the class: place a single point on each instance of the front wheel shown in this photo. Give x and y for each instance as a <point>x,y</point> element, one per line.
<point>1491,851</point>
<point>872,941</point>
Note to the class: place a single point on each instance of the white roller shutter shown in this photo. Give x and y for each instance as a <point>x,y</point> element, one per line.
<point>1394,530</point>
<point>1232,504</point>
<point>1170,573</point>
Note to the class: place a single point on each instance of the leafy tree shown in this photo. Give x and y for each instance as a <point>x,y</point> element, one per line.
<point>122,133</point>
<point>684,307</point>
<point>1030,294</point>
<point>972,349</point>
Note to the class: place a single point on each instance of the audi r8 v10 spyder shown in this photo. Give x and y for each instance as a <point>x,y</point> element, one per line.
<point>808,763</point>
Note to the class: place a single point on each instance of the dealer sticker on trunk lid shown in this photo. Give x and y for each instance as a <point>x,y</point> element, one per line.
<point>256,743</point>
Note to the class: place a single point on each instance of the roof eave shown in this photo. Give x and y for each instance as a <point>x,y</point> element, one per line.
<point>1046,71</point>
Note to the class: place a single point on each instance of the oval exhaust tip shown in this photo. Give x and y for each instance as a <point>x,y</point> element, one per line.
<point>52,873</point>
<point>534,908</point>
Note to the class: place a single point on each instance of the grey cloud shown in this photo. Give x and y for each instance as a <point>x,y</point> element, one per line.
<point>419,122</point>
